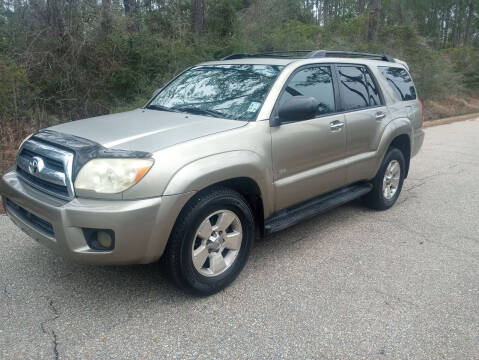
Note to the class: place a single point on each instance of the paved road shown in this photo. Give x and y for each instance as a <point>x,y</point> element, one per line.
<point>401,284</point>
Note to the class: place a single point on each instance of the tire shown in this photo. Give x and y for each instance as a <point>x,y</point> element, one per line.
<point>379,198</point>
<point>189,243</point>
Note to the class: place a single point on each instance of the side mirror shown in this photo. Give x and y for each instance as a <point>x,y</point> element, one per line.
<point>298,108</point>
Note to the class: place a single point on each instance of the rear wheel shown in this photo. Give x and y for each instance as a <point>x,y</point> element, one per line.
<point>210,243</point>
<point>387,184</point>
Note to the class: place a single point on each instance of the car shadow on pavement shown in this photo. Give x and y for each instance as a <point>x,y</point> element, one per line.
<point>100,284</point>
<point>137,285</point>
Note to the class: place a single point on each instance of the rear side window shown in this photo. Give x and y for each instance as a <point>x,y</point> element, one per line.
<point>316,82</point>
<point>400,82</point>
<point>358,90</point>
<point>374,98</point>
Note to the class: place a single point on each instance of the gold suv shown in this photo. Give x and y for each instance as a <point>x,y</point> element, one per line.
<point>225,151</point>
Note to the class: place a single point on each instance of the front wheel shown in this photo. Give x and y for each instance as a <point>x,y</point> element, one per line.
<point>210,243</point>
<point>388,182</point>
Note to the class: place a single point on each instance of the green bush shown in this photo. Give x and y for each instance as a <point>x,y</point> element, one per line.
<point>465,61</point>
<point>79,61</point>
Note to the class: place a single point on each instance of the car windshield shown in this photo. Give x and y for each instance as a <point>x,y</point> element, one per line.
<point>224,91</point>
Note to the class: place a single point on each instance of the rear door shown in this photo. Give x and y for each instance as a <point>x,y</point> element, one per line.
<point>308,156</point>
<point>366,116</point>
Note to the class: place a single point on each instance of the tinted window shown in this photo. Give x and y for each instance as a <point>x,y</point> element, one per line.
<point>316,82</point>
<point>374,98</point>
<point>358,90</point>
<point>400,82</point>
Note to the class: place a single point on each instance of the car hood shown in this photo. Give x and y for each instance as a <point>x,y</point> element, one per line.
<point>146,130</point>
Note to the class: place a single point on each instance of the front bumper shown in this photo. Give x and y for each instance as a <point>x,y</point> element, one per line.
<point>141,227</point>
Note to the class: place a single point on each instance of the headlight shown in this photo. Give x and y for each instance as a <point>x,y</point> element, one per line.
<point>110,176</point>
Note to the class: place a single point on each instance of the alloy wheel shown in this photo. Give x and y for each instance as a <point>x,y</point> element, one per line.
<point>217,243</point>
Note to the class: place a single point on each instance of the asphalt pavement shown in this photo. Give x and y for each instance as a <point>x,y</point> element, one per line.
<point>350,284</point>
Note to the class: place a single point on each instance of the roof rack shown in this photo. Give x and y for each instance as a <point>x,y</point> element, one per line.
<point>348,54</point>
<point>273,54</point>
<point>308,54</point>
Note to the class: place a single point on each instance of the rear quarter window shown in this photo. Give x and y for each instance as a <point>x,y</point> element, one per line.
<point>400,82</point>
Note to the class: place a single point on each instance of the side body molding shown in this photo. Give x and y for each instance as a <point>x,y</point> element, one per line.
<point>213,169</point>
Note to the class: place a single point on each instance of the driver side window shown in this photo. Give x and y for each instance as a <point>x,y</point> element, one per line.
<point>316,82</point>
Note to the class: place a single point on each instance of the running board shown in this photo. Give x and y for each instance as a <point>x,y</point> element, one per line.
<point>308,209</point>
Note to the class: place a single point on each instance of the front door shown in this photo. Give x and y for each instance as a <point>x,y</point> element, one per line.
<point>309,156</point>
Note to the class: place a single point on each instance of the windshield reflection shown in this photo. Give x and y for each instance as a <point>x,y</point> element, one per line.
<point>225,91</point>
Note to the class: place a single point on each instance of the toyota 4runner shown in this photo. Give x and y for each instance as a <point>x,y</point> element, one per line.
<point>226,151</point>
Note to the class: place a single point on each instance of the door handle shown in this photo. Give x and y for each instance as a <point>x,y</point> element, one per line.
<point>336,125</point>
<point>380,115</point>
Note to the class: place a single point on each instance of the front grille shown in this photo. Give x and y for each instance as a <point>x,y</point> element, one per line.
<point>46,168</point>
<point>30,218</point>
<point>43,185</point>
<point>52,163</point>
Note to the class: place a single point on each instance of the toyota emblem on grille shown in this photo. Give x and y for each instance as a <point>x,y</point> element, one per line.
<point>35,165</point>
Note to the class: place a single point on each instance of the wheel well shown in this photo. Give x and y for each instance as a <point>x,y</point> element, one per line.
<point>403,143</point>
<point>251,192</point>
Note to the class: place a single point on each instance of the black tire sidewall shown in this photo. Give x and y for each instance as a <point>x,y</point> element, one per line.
<point>204,285</point>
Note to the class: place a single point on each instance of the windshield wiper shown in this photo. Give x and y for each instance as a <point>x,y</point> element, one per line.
<point>160,108</point>
<point>198,111</point>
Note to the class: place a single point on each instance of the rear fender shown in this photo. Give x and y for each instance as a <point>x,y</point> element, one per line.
<point>397,127</point>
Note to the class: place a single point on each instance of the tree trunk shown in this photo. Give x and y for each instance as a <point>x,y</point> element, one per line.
<point>55,16</point>
<point>130,7</point>
<point>326,12</point>
<point>106,16</point>
<point>318,12</point>
<point>401,16</point>
<point>446,27</point>
<point>199,16</point>
<point>131,11</point>
<point>374,19</point>
<point>459,15</point>
<point>467,33</point>
<point>361,6</point>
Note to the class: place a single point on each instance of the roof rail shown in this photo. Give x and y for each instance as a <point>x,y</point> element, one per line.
<point>273,54</point>
<point>308,54</point>
<point>349,54</point>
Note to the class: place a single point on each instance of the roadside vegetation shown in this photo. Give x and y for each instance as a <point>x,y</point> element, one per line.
<point>62,60</point>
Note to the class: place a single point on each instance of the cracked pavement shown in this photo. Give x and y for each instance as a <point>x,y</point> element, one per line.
<point>350,284</point>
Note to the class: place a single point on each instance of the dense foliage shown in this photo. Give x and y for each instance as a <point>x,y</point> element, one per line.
<point>68,59</point>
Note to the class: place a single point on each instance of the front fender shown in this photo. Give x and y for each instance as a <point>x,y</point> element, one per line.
<point>213,169</point>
